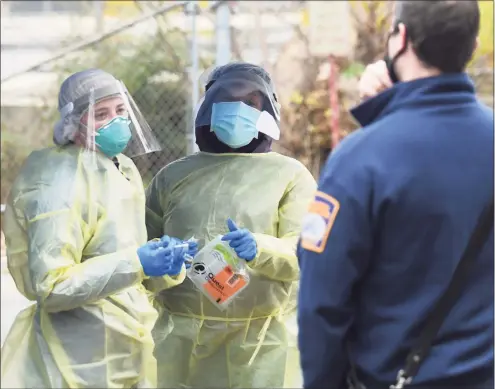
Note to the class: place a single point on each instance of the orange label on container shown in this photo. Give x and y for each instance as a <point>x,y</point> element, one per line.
<point>223,285</point>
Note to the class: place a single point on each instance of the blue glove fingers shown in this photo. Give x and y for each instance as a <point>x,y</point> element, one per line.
<point>247,251</point>
<point>164,254</point>
<point>171,266</point>
<point>153,244</point>
<point>158,251</point>
<point>248,254</point>
<point>245,245</point>
<point>176,241</point>
<point>177,248</point>
<point>231,225</point>
<point>169,240</point>
<point>246,239</point>
<point>234,235</point>
<point>193,245</point>
<point>179,260</point>
<point>160,261</point>
<point>192,253</point>
<point>193,248</point>
<point>165,240</point>
<point>237,244</point>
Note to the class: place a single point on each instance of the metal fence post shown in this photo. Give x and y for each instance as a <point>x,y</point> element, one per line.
<point>193,76</point>
<point>223,50</point>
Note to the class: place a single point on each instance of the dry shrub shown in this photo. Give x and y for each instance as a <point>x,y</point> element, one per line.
<point>306,116</point>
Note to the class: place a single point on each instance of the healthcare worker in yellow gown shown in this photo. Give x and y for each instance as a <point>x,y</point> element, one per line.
<point>76,245</point>
<point>252,344</point>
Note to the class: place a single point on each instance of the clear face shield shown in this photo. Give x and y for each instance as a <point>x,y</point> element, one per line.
<point>111,123</point>
<point>237,107</point>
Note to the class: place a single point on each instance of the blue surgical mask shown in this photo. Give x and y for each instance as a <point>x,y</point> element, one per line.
<point>234,123</point>
<point>114,136</point>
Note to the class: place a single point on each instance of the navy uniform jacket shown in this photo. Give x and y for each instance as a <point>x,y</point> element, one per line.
<point>396,205</point>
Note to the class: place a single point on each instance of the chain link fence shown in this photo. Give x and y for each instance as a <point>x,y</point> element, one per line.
<point>160,86</point>
<point>152,58</point>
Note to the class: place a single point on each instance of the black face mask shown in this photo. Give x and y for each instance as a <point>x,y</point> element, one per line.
<point>390,62</point>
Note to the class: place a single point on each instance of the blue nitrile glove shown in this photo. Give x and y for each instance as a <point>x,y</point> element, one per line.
<point>174,241</point>
<point>159,258</point>
<point>241,240</point>
<point>191,252</point>
<point>192,249</point>
<point>187,253</point>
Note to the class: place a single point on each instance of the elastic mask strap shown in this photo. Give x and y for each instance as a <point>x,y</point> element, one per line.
<point>390,62</point>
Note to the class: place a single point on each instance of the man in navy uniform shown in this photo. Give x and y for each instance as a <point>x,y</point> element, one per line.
<point>395,208</point>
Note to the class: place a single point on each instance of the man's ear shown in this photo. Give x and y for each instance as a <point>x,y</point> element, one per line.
<point>476,43</point>
<point>403,33</point>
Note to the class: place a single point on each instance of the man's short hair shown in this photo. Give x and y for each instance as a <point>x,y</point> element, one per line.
<point>442,33</point>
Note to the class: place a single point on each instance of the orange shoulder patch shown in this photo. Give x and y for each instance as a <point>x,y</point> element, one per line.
<point>318,222</point>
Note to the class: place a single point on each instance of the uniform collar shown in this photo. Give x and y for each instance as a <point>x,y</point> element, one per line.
<point>443,89</point>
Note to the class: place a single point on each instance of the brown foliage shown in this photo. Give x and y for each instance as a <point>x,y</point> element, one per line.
<point>306,118</point>
<point>372,22</point>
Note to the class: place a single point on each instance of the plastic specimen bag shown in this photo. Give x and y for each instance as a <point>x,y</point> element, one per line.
<point>219,273</point>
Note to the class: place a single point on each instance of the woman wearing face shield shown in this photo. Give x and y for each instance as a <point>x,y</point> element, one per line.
<point>236,187</point>
<point>76,245</point>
